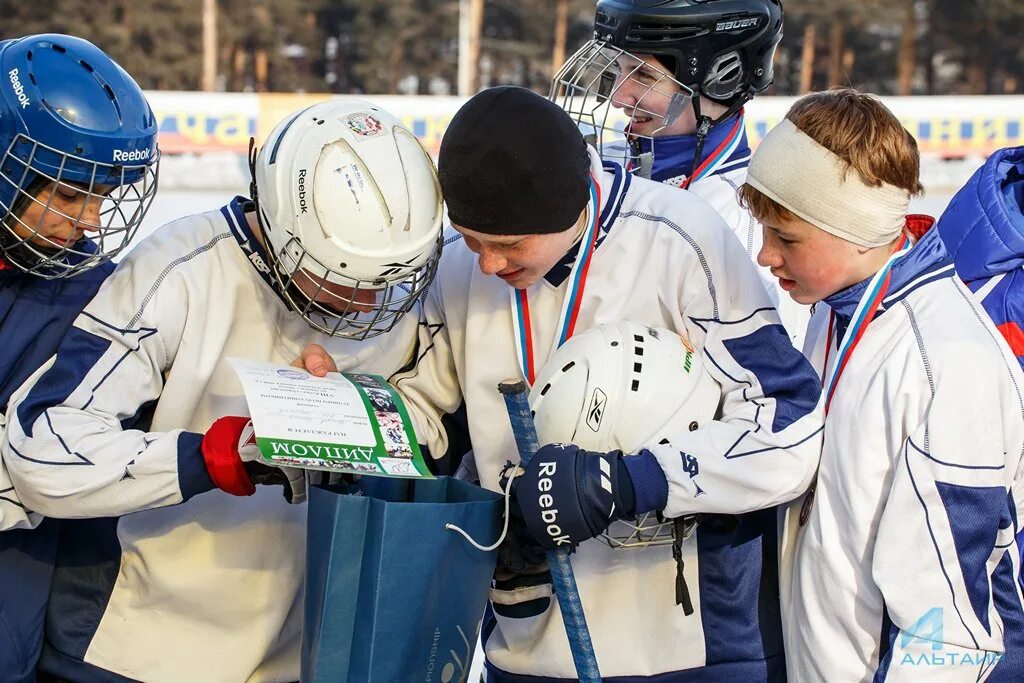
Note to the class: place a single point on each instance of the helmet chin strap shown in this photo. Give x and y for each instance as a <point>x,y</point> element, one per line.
<point>254,195</point>
<point>703,128</point>
<point>704,124</point>
<point>252,172</point>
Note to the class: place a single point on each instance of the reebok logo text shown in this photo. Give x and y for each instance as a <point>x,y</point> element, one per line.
<point>302,191</point>
<point>133,155</point>
<point>19,89</point>
<point>549,513</point>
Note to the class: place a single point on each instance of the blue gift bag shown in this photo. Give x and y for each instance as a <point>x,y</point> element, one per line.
<point>391,594</point>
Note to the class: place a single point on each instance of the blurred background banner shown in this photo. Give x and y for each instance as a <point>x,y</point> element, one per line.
<point>195,122</point>
<point>198,122</point>
<point>220,71</point>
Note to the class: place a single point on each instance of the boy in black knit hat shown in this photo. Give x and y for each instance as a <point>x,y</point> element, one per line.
<point>549,242</point>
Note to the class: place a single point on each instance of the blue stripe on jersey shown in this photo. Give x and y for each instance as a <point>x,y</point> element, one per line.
<point>620,183</point>
<point>1010,667</point>
<point>739,593</point>
<point>934,276</point>
<point>772,670</point>
<point>78,354</point>
<point>784,373</point>
<point>193,477</point>
<point>88,565</point>
<point>234,214</point>
<point>887,642</point>
<point>975,516</point>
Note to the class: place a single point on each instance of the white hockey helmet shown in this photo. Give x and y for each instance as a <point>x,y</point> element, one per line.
<point>350,208</point>
<point>623,386</point>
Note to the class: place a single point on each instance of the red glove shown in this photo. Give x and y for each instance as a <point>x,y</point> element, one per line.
<point>221,447</point>
<point>233,462</point>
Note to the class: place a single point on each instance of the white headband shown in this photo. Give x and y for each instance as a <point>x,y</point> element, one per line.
<point>791,168</point>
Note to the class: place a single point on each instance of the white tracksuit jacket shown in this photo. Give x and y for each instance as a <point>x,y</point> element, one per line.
<point>907,567</point>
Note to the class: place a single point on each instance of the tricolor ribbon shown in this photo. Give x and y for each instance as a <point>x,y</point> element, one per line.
<point>573,297</point>
<point>720,155</point>
<point>862,317</point>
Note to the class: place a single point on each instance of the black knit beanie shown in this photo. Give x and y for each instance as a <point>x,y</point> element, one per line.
<point>513,163</point>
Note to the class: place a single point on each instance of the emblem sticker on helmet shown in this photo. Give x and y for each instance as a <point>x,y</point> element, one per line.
<point>364,125</point>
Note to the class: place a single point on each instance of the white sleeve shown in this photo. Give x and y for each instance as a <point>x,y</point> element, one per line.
<point>13,513</point>
<point>764,447</point>
<point>70,446</point>
<point>944,556</point>
<point>431,388</point>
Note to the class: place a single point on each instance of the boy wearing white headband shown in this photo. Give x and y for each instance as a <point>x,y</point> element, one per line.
<point>900,563</point>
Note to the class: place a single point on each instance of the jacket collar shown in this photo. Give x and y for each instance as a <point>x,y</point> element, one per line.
<point>613,182</point>
<point>674,154</point>
<point>926,261</point>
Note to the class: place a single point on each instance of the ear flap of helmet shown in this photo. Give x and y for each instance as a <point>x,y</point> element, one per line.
<point>724,77</point>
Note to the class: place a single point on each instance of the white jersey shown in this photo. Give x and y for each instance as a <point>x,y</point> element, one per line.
<point>720,190</point>
<point>907,566</point>
<point>195,584</point>
<point>718,184</point>
<point>664,258</point>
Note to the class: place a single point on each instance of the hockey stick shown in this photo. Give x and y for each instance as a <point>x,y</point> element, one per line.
<point>515,393</point>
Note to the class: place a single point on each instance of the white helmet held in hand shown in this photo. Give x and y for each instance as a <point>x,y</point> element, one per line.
<point>623,386</point>
<point>350,208</point>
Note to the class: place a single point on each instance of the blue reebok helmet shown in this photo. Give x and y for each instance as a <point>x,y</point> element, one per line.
<point>77,151</point>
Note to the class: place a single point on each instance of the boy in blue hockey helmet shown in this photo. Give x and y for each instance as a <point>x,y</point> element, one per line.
<point>78,156</point>
<point>78,170</point>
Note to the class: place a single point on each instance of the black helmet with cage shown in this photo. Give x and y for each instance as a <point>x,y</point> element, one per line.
<point>718,51</point>
<point>721,49</point>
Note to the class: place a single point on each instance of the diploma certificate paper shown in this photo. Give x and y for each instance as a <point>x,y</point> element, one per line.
<point>350,422</point>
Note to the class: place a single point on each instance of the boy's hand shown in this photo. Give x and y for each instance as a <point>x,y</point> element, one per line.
<point>567,495</point>
<point>316,361</point>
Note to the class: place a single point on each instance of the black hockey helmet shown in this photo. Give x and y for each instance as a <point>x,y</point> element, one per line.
<point>722,49</point>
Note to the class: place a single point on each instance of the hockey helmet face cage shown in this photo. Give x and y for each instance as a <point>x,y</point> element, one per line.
<point>350,208</point>
<point>78,156</point>
<point>722,49</point>
<point>615,97</point>
<point>624,386</point>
